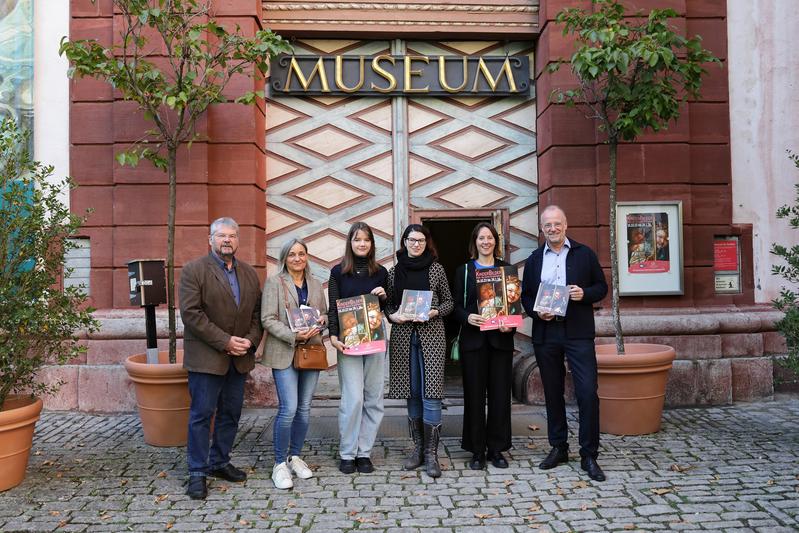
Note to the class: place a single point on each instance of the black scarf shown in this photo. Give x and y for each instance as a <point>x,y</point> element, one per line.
<point>412,273</point>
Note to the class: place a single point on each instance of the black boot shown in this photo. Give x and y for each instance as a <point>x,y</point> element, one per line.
<point>431,434</point>
<point>416,457</point>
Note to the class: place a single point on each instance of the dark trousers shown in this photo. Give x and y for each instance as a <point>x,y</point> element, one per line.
<point>223,395</point>
<point>487,373</point>
<point>581,355</point>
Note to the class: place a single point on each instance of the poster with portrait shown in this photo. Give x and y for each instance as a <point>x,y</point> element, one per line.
<point>498,297</point>
<point>416,305</point>
<point>361,325</point>
<point>649,244</point>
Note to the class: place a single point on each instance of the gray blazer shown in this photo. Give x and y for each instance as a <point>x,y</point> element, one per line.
<point>210,316</point>
<point>280,340</point>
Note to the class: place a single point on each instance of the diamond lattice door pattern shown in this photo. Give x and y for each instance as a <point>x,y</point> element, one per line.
<point>333,160</point>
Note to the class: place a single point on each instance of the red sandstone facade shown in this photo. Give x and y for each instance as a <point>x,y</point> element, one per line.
<point>723,347</point>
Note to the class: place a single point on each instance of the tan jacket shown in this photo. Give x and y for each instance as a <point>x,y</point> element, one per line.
<point>210,316</point>
<point>279,347</point>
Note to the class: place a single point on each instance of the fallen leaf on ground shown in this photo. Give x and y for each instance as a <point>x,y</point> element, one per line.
<point>161,474</point>
<point>55,513</point>
<point>169,525</point>
<point>48,462</point>
<point>222,488</point>
<point>105,516</point>
<point>243,522</point>
<point>353,513</point>
<point>291,504</point>
<point>407,476</point>
<point>63,523</point>
<point>59,475</point>
<point>629,526</point>
<point>264,516</point>
<point>534,508</point>
<point>483,516</point>
<point>681,468</point>
<point>509,482</point>
<point>580,484</point>
<point>770,482</point>
<point>661,491</point>
<point>364,520</point>
<point>161,497</point>
<point>530,446</point>
<point>123,482</point>
<point>533,427</point>
<point>559,492</point>
<point>38,452</point>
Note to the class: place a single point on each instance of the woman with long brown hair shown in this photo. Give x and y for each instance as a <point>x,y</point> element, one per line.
<point>360,376</point>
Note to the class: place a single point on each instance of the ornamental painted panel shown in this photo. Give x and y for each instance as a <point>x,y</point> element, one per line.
<point>329,163</point>
<point>16,61</point>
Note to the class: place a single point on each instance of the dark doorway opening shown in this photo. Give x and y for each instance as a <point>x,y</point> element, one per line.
<point>451,237</point>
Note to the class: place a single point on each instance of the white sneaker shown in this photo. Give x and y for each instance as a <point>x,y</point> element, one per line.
<point>281,476</point>
<point>299,467</point>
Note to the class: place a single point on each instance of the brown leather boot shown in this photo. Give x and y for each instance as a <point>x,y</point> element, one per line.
<point>431,435</point>
<point>416,457</point>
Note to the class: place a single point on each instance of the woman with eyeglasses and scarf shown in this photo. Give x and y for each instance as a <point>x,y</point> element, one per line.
<point>418,348</point>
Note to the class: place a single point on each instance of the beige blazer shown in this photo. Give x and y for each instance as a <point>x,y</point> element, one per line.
<point>280,340</point>
<point>210,315</point>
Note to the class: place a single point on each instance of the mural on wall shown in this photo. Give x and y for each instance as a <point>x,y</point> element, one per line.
<point>16,61</point>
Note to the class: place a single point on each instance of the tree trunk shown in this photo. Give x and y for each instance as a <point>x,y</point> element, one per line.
<point>613,145</point>
<point>170,251</point>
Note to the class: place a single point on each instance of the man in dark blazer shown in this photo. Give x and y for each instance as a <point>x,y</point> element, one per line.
<point>566,262</point>
<point>220,305</point>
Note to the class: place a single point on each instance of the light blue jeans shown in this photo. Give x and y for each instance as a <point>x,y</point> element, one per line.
<point>428,409</point>
<point>295,390</point>
<point>361,408</point>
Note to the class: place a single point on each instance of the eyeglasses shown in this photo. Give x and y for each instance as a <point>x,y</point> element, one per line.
<point>414,242</point>
<point>555,225</point>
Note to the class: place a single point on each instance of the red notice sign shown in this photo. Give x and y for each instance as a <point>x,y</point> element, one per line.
<point>725,255</point>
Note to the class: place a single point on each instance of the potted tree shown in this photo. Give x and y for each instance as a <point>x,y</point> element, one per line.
<point>633,72</point>
<point>174,61</point>
<point>38,319</point>
<point>788,300</point>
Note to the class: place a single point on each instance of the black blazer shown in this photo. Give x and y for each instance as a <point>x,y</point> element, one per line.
<point>471,337</point>
<point>583,270</point>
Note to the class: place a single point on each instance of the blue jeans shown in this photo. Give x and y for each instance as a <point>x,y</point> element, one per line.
<point>295,390</point>
<point>211,393</point>
<point>428,409</point>
<point>361,408</point>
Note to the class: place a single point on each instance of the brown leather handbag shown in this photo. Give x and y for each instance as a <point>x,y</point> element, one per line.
<point>306,356</point>
<point>310,357</point>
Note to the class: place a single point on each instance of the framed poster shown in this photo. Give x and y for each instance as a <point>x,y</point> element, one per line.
<point>650,249</point>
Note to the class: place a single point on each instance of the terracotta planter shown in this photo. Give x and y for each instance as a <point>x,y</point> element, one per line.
<point>632,387</point>
<point>162,396</point>
<point>18,417</point>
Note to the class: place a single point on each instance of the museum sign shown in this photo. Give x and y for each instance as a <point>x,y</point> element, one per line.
<point>400,75</point>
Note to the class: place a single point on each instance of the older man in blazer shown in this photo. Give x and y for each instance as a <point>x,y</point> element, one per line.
<point>220,304</point>
<point>566,262</point>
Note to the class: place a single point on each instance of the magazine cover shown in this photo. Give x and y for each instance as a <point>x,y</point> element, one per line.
<point>361,325</point>
<point>416,305</point>
<point>303,318</point>
<point>498,297</point>
<point>552,299</point>
<point>647,243</point>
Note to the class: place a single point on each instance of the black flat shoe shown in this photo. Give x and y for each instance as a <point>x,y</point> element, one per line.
<point>364,465</point>
<point>498,460</point>
<point>478,461</point>
<point>590,465</point>
<point>556,456</point>
<point>197,489</point>
<point>346,466</point>
<point>229,473</point>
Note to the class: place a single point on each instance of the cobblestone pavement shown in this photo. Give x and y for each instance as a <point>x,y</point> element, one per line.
<point>732,468</point>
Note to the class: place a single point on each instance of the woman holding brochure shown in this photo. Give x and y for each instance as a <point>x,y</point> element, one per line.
<point>486,358</point>
<point>360,376</point>
<point>291,288</point>
<point>417,347</point>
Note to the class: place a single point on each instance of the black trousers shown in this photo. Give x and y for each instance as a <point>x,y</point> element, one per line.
<point>487,373</point>
<point>581,355</point>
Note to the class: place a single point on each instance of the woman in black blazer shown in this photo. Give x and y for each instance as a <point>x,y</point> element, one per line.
<point>486,360</point>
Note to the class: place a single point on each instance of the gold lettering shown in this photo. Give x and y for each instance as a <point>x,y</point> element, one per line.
<point>384,73</point>
<point>340,75</point>
<point>442,75</point>
<point>306,83</point>
<point>408,73</point>
<point>482,68</point>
